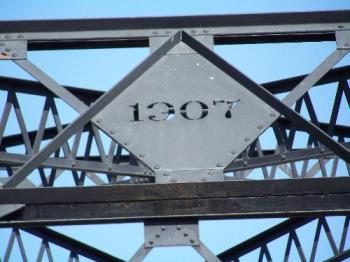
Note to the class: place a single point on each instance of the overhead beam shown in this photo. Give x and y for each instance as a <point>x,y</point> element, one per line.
<point>106,204</point>
<point>90,95</point>
<point>11,159</point>
<point>270,158</point>
<point>130,32</point>
<point>93,163</point>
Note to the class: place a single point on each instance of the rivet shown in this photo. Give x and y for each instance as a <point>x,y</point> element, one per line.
<point>218,164</point>
<point>322,149</point>
<point>192,240</point>
<point>8,49</point>
<point>99,120</point>
<point>185,234</point>
<point>155,32</point>
<point>109,169</point>
<point>205,31</point>
<point>112,132</point>
<point>340,26</point>
<point>204,179</point>
<point>156,167</point>
<point>7,36</point>
<point>211,173</point>
<point>141,155</point>
<point>166,174</point>
<point>73,164</point>
<point>347,44</point>
<point>157,235</point>
<point>14,54</point>
<point>193,31</point>
<point>247,139</point>
<point>20,36</point>
<point>162,228</point>
<point>178,227</point>
<point>167,32</point>
<point>245,163</point>
<point>260,127</point>
<point>150,242</point>
<point>233,152</point>
<point>273,114</point>
<point>174,180</point>
<point>126,143</point>
<point>283,156</point>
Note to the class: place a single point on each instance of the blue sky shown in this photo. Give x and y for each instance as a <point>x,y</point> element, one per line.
<point>100,69</point>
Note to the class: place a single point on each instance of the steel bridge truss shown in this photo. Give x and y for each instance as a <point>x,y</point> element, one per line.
<point>303,176</point>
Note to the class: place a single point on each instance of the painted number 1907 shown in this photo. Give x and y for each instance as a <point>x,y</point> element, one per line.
<point>166,111</point>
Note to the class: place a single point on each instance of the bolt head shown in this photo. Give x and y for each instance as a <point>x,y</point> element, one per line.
<point>192,240</point>
<point>247,139</point>
<point>112,132</point>
<point>162,228</point>
<point>218,164</point>
<point>150,242</point>
<point>157,235</point>
<point>260,127</point>
<point>141,155</point>
<point>273,114</point>
<point>185,234</point>
<point>233,152</point>
<point>204,179</point>
<point>211,173</point>
<point>156,167</point>
<point>178,227</point>
<point>165,174</point>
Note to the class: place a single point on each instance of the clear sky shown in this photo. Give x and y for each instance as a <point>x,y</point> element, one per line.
<point>100,69</point>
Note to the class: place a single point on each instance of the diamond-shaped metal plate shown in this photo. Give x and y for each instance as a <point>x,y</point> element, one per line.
<point>184,113</point>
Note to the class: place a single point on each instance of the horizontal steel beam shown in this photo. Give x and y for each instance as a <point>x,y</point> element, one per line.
<point>129,32</point>
<point>11,159</point>
<point>281,158</point>
<point>89,95</point>
<point>105,204</point>
<point>93,164</point>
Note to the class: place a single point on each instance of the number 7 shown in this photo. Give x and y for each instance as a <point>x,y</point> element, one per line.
<point>230,104</point>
